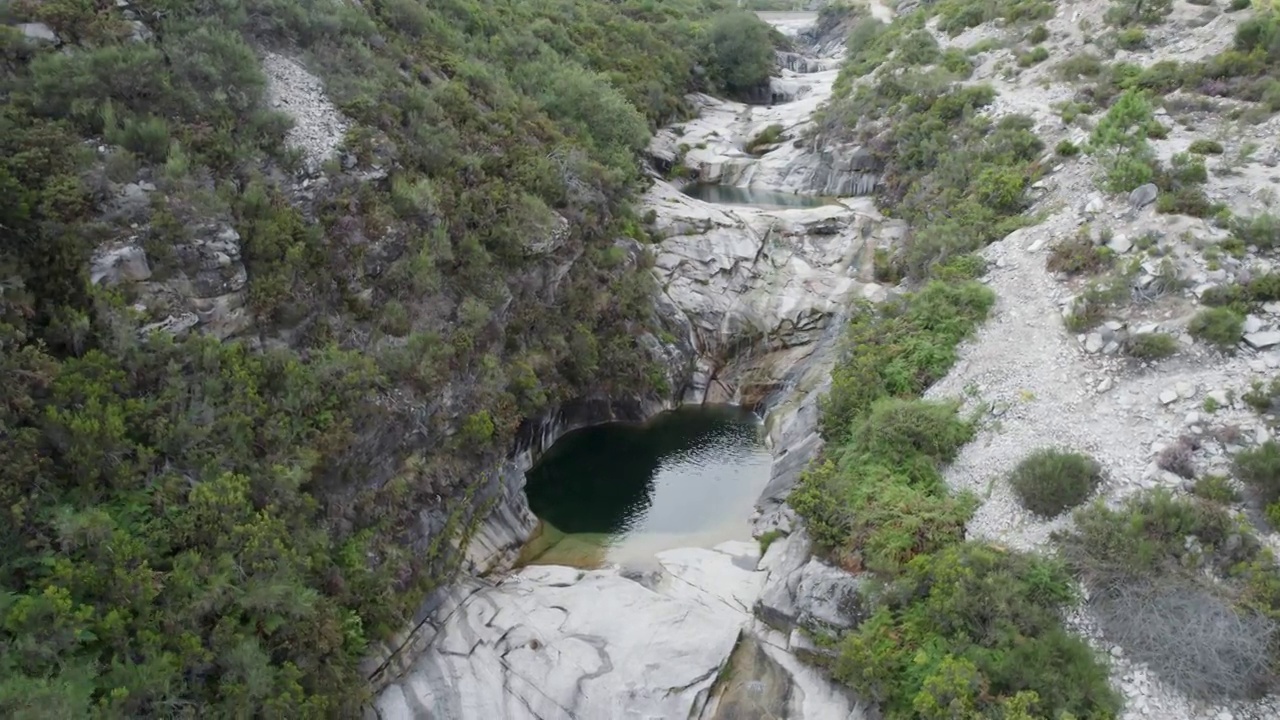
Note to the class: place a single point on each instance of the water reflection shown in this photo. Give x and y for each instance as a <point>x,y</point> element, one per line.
<point>689,477</point>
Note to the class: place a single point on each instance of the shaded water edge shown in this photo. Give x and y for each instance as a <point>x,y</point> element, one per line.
<point>622,492</point>
<point>755,197</point>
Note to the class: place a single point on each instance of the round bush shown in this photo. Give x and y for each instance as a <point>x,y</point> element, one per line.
<point>1051,481</point>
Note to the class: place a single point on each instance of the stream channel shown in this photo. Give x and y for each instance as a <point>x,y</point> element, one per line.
<point>642,593</point>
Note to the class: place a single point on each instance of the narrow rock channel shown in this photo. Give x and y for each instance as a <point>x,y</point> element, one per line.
<point>700,632</point>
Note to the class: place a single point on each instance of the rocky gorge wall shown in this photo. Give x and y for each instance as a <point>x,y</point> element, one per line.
<point>758,292</point>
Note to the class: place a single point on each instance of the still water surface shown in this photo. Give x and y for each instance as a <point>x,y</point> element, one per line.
<point>622,492</point>
<point>756,197</point>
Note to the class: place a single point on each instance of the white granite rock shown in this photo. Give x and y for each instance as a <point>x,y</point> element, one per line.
<point>556,643</point>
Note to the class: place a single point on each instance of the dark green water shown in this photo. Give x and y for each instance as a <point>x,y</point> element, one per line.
<point>731,195</point>
<point>616,492</point>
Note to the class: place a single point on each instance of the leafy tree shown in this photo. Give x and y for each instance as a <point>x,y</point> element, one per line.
<point>740,51</point>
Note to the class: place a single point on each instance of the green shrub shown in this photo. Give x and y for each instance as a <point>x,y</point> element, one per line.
<point>1262,231</point>
<point>1051,481</point>
<point>1038,54</point>
<point>1078,255</point>
<point>1038,35</point>
<point>1186,200</point>
<point>1145,540</point>
<point>1066,148</point>
<point>1204,146</point>
<point>740,48</point>
<point>1259,468</point>
<point>1151,346</point>
<point>1150,12</point>
<point>1238,5</point>
<point>771,135</point>
<point>1220,326</point>
<point>1091,306</point>
<point>1263,398</point>
<point>970,266</point>
<point>1085,65</point>
<point>1216,488</point>
<point>917,48</point>
<point>1165,575</point>
<point>975,628</point>
<point>247,574</point>
<point>898,350</point>
<point>956,62</point>
<point>876,501</point>
<point>1131,38</point>
<point>769,538</point>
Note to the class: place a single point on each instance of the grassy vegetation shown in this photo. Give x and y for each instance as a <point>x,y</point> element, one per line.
<point>1183,587</point>
<point>1259,468</point>
<point>1245,71</point>
<point>960,629</point>
<point>771,135</point>
<point>192,529</point>
<point>944,629</point>
<point>936,152</point>
<point>1221,327</point>
<point>1151,346</point>
<point>1051,481</point>
<point>1215,488</point>
<point>1078,255</point>
<point>958,625</point>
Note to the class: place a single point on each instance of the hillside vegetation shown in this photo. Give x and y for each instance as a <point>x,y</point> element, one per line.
<point>1017,576</point>
<point>198,528</point>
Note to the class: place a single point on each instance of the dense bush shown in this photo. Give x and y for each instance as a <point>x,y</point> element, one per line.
<point>189,527</point>
<point>1220,326</point>
<point>1259,468</point>
<point>1077,255</point>
<point>900,349</point>
<point>880,500</point>
<point>1216,488</point>
<point>1120,142</point>
<point>1183,588</point>
<point>1050,481</point>
<point>1151,346</point>
<point>960,629</point>
<point>1261,230</point>
<point>771,135</point>
<point>741,52</point>
<point>1205,147</point>
<point>972,631</point>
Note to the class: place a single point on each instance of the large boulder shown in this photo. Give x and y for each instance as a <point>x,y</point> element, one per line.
<point>804,592</point>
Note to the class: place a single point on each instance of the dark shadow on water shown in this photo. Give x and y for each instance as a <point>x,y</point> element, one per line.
<point>732,195</point>
<point>690,471</point>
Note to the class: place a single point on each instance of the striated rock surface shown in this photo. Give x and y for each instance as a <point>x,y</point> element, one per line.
<point>557,643</point>
<point>746,271</point>
<point>804,592</point>
<point>545,644</point>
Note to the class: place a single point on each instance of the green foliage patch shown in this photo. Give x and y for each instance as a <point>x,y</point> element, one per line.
<point>973,631</point>
<point>1051,481</point>
<point>1184,587</point>
<point>959,629</point>
<point>189,527</point>
<point>1219,326</point>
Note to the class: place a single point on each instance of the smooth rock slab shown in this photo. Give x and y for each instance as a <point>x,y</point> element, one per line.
<point>558,643</point>
<point>1261,340</point>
